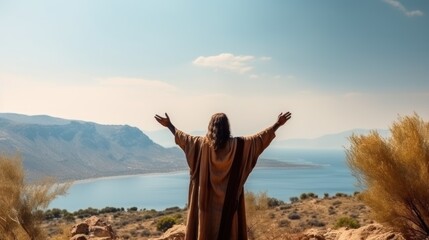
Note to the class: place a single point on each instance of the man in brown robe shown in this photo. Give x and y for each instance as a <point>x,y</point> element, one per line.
<point>216,208</point>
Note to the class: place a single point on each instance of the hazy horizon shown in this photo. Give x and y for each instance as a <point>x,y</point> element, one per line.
<point>336,66</point>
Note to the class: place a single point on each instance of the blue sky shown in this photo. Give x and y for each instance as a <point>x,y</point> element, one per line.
<point>337,65</point>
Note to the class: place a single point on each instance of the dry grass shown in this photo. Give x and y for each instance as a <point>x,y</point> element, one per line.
<point>21,204</point>
<point>395,174</point>
<point>288,221</point>
<point>264,223</point>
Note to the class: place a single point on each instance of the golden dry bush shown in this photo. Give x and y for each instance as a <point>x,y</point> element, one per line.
<point>21,204</point>
<point>260,226</point>
<point>394,174</point>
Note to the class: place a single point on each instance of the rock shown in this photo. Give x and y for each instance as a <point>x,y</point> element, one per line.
<point>93,228</point>
<point>373,231</point>
<point>177,232</point>
<point>101,231</point>
<point>314,234</point>
<point>79,237</point>
<point>81,228</point>
<point>94,221</point>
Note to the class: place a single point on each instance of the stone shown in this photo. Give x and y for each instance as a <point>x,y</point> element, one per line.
<point>177,232</point>
<point>101,231</point>
<point>80,228</point>
<point>79,237</point>
<point>94,221</point>
<point>373,231</point>
<point>93,228</point>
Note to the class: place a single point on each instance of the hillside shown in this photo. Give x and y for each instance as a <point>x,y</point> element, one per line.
<point>71,149</point>
<point>327,218</point>
<point>67,149</point>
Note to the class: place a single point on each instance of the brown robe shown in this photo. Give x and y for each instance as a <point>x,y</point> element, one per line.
<point>210,173</point>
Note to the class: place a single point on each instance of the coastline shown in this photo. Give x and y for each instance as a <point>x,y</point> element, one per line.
<point>94,179</point>
<point>263,164</point>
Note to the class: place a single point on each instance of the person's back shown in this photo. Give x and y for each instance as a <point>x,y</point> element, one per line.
<point>219,166</point>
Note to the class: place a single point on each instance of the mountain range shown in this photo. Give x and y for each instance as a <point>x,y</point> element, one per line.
<point>68,149</point>
<point>329,141</point>
<point>74,149</point>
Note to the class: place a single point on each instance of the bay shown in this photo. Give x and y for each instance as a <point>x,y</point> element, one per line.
<point>327,173</point>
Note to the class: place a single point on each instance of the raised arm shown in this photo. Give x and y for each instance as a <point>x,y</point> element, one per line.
<point>166,122</point>
<point>281,120</point>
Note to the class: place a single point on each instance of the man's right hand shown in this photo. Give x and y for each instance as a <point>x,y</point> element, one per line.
<point>283,118</point>
<point>165,121</point>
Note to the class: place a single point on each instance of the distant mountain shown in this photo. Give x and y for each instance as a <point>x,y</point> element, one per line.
<point>330,141</point>
<point>68,149</point>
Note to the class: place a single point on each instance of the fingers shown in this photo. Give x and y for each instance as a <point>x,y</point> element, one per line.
<point>158,118</point>
<point>167,116</point>
<point>287,115</point>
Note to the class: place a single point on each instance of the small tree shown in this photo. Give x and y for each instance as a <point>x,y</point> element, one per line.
<point>21,203</point>
<point>394,173</point>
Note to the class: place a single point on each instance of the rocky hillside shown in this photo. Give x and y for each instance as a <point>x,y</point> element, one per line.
<point>338,217</point>
<point>68,149</point>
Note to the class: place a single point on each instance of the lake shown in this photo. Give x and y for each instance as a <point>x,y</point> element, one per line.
<point>330,174</point>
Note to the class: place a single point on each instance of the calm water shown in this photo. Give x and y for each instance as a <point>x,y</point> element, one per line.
<point>159,191</point>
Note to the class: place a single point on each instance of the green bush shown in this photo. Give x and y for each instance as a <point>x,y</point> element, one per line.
<point>308,195</point>
<point>294,216</point>
<point>347,222</point>
<point>315,223</point>
<point>303,196</point>
<point>294,199</point>
<point>109,210</point>
<point>274,202</point>
<point>341,195</point>
<point>132,209</point>
<point>165,223</point>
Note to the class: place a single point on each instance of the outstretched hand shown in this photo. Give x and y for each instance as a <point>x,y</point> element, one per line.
<point>283,118</point>
<point>165,121</point>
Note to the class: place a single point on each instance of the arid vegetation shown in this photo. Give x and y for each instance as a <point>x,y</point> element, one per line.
<point>395,175</point>
<point>267,218</point>
<point>21,204</point>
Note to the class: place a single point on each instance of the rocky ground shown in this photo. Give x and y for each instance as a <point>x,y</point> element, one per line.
<point>327,218</point>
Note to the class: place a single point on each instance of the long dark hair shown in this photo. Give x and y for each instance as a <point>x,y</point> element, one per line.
<point>218,131</point>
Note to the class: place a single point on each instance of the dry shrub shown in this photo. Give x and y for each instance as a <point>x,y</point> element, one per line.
<point>260,224</point>
<point>21,204</point>
<point>395,174</point>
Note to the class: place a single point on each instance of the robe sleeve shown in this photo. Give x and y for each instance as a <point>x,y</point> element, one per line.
<point>191,145</point>
<point>257,143</point>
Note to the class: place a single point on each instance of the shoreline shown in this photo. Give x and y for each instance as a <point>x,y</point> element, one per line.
<point>94,179</point>
<point>264,164</point>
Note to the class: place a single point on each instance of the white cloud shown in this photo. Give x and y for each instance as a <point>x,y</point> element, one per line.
<point>226,61</point>
<point>402,8</point>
